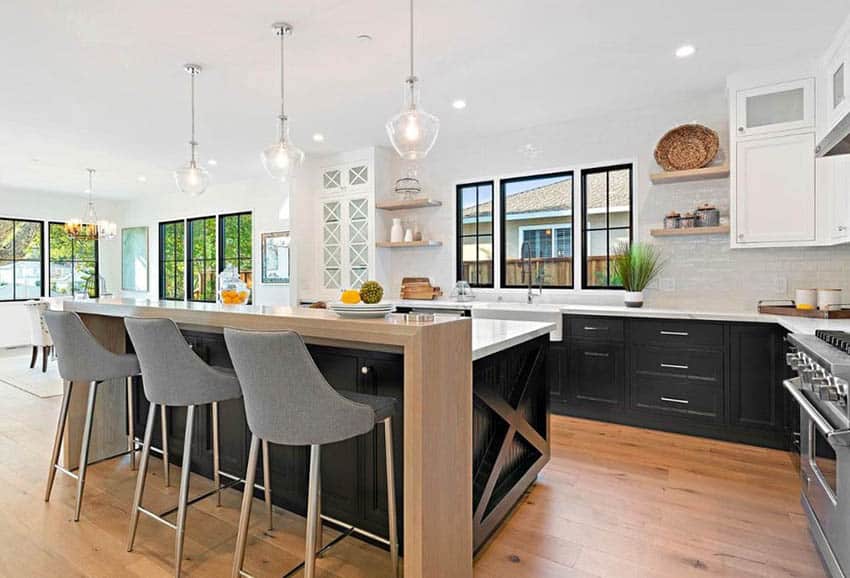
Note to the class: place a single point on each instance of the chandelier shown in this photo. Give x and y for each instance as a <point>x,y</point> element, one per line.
<point>89,228</point>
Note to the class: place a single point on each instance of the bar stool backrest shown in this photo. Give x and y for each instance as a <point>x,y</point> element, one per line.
<point>81,356</point>
<point>173,374</point>
<point>287,399</point>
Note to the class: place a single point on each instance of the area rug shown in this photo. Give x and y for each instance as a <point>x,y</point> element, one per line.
<point>15,371</point>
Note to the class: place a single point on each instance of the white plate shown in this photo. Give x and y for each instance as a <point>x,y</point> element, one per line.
<point>362,314</point>
<point>361,306</point>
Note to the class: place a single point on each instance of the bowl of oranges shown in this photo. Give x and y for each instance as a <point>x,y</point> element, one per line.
<point>232,290</point>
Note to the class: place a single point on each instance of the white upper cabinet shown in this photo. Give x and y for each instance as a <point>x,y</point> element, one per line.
<point>834,79</point>
<point>833,181</point>
<point>785,107</point>
<point>775,191</point>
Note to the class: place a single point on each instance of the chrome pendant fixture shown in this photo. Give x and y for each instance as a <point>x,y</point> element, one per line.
<point>413,131</point>
<point>191,178</point>
<point>89,228</point>
<point>282,158</point>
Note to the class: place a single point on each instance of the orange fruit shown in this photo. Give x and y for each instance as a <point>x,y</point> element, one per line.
<point>350,297</point>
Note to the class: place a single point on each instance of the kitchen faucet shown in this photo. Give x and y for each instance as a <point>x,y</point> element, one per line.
<point>525,255</point>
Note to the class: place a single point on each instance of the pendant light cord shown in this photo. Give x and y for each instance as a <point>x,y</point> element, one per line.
<point>193,143</point>
<point>282,33</point>
<point>411,39</point>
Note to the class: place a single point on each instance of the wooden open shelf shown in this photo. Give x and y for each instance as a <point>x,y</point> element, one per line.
<point>715,172</point>
<point>406,204</point>
<point>719,230</point>
<point>391,245</point>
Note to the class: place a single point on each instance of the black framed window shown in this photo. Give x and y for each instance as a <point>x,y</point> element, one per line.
<point>72,264</point>
<point>172,261</point>
<point>475,234</point>
<point>537,226</point>
<point>607,218</point>
<point>21,259</point>
<point>202,259</point>
<point>236,248</point>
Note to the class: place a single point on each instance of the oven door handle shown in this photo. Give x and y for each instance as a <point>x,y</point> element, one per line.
<point>838,436</point>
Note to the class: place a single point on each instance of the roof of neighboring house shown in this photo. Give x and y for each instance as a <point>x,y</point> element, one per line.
<point>558,196</point>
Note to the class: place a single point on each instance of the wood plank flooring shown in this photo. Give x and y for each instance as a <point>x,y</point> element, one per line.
<point>614,502</point>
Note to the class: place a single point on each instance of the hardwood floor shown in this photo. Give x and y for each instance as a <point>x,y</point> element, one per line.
<point>614,502</point>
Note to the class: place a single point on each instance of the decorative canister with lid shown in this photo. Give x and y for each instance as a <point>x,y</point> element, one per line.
<point>707,215</point>
<point>671,220</point>
<point>688,221</point>
<point>232,290</point>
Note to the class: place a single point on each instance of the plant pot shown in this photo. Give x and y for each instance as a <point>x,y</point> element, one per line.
<point>633,299</point>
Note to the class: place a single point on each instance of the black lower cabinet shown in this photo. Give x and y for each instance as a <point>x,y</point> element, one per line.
<point>596,375</point>
<point>711,379</point>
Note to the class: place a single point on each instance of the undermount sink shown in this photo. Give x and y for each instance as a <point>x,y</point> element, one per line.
<point>544,312</point>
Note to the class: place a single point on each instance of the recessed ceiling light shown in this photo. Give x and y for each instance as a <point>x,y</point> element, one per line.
<point>459,104</point>
<point>142,179</point>
<point>212,162</point>
<point>364,38</point>
<point>685,51</point>
<point>319,137</point>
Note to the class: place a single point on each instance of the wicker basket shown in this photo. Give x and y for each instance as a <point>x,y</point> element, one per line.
<point>690,146</point>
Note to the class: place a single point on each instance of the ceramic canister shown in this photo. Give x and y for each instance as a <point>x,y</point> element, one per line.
<point>829,299</point>
<point>806,298</point>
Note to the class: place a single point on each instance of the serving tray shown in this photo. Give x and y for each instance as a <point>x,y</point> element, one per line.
<point>790,308</point>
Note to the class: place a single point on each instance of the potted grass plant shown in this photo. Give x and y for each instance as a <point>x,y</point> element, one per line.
<point>635,266</point>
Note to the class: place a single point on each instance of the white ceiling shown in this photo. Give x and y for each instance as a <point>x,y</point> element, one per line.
<point>100,83</point>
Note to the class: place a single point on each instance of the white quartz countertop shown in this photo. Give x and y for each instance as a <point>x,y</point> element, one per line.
<point>491,336</point>
<point>792,324</point>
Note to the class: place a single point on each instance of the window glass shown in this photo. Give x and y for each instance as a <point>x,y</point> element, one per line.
<point>607,210</point>
<point>235,232</point>
<point>202,259</point>
<point>172,269</point>
<point>72,267</point>
<point>475,234</point>
<point>537,219</point>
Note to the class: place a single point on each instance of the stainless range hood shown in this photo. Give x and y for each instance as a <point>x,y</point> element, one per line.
<point>837,142</point>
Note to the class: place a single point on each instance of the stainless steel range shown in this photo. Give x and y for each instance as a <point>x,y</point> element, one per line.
<point>822,363</point>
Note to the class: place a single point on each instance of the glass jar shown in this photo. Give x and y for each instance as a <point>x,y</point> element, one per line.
<point>232,290</point>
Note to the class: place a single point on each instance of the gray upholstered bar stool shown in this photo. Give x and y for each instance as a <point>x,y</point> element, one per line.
<point>289,402</point>
<point>174,376</point>
<point>83,359</point>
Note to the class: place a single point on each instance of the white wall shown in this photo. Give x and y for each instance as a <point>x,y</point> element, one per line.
<point>701,271</point>
<point>264,198</point>
<point>39,205</point>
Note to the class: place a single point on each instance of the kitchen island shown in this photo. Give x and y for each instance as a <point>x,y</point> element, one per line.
<point>473,434</point>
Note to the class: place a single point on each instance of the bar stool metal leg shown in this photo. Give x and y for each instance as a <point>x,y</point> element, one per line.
<point>319,514</point>
<point>140,479</point>
<point>245,514</point>
<point>184,490</point>
<point>267,483</point>
<point>391,503</point>
<point>60,433</point>
<point>131,429</point>
<point>312,512</point>
<point>164,427</point>
<point>84,449</point>
<point>216,457</point>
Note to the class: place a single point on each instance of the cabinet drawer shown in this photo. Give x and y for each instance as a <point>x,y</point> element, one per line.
<point>604,328</point>
<point>677,396</point>
<point>686,363</point>
<point>675,333</point>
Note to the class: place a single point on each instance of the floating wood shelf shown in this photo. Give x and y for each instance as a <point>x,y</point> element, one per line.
<point>406,204</point>
<point>719,230</point>
<point>715,172</point>
<point>391,245</point>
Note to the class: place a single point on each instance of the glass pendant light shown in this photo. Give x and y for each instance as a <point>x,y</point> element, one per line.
<point>192,179</point>
<point>89,228</point>
<point>282,158</point>
<point>413,131</point>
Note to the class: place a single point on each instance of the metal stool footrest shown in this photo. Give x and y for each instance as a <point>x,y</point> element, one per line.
<point>70,473</point>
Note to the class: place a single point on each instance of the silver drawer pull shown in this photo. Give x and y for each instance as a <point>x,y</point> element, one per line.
<point>590,328</point>
<point>676,333</point>
<point>673,366</point>
<point>675,400</point>
<point>596,354</point>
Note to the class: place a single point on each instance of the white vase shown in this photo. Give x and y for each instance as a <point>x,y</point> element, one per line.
<point>408,236</point>
<point>634,299</point>
<point>397,232</point>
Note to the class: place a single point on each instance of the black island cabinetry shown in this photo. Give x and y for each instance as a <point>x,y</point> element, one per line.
<point>510,435</point>
<point>708,378</point>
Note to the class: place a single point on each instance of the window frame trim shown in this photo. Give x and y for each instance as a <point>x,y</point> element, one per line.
<point>73,261</point>
<point>459,236</point>
<point>221,257</point>
<point>13,260</point>
<point>605,169</point>
<point>190,260</point>
<point>503,220</point>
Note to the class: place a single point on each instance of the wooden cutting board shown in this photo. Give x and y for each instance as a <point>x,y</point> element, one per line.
<point>419,288</point>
